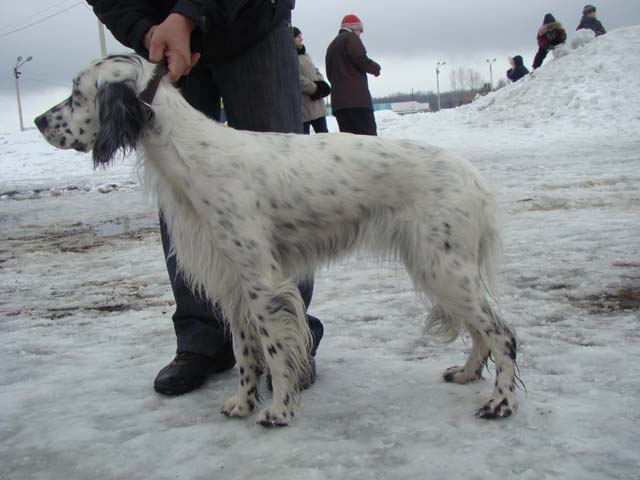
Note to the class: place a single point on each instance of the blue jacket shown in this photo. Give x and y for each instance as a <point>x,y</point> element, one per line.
<point>519,71</point>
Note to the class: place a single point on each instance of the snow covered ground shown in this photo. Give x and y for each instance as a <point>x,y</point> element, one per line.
<point>85,313</point>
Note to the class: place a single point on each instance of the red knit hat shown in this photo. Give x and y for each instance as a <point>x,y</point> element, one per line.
<point>352,22</point>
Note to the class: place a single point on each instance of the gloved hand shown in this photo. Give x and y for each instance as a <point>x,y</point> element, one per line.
<point>322,91</point>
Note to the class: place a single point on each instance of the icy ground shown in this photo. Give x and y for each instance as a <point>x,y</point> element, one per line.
<point>85,314</point>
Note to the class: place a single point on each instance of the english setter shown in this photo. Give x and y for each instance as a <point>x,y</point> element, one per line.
<point>249,213</point>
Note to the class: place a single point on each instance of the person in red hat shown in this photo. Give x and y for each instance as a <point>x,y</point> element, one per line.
<point>347,65</point>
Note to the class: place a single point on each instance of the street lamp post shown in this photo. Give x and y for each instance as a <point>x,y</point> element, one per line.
<point>16,74</point>
<point>490,62</point>
<point>439,64</point>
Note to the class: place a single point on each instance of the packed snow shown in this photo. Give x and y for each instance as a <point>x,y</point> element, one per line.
<point>85,309</point>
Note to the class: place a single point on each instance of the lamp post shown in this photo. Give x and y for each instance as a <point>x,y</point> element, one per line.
<point>16,74</point>
<point>438,65</point>
<point>490,62</point>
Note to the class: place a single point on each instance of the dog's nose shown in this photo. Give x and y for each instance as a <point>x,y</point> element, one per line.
<point>41,122</point>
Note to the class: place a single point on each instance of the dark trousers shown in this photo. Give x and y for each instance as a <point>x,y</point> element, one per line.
<point>260,93</point>
<point>357,120</point>
<point>319,126</point>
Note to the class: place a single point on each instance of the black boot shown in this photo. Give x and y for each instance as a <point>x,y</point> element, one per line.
<point>189,371</point>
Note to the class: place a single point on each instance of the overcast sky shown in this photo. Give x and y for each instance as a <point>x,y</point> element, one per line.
<point>407,37</point>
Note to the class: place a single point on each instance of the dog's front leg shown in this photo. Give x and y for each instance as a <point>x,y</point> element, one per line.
<point>248,353</point>
<point>285,337</point>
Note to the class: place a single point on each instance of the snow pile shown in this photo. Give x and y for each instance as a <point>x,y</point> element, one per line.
<point>593,87</point>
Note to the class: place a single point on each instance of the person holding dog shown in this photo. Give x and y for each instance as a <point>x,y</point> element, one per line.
<point>313,89</point>
<point>347,66</point>
<point>215,49</point>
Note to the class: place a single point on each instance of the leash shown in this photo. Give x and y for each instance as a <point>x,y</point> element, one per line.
<point>146,96</point>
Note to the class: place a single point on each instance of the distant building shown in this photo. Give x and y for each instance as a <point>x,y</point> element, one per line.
<point>403,108</point>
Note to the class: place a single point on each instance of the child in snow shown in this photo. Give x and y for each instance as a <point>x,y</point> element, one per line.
<point>590,21</point>
<point>550,36</point>
<point>517,70</point>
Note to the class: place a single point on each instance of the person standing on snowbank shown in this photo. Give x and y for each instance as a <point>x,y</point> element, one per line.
<point>347,65</point>
<point>313,89</point>
<point>517,70</point>
<point>550,35</point>
<point>589,21</point>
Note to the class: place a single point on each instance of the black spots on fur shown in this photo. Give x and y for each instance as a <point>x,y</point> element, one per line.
<point>257,204</point>
<point>286,400</point>
<point>511,348</point>
<point>241,370</point>
<point>272,350</point>
<point>273,204</point>
<point>243,336</point>
<point>264,332</point>
<point>206,202</point>
<point>68,131</point>
<point>261,318</point>
<point>242,382</point>
<point>245,352</point>
<point>251,404</point>
<point>78,145</point>
<point>87,121</point>
<point>447,246</point>
<point>447,228</point>
<point>63,141</point>
<point>81,131</point>
<point>448,377</point>
<point>337,158</point>
<point>237,242</point>
<point>226,224</point>
<point>275,305</point>
<point>289,226</point>
<point>251,391</point>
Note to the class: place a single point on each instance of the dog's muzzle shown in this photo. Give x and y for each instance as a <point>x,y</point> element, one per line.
<point>41,122</point>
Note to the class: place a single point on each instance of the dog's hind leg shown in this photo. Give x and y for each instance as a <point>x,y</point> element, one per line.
<point>472,369</point>
<point>286,339</point>
<point>450,276</point>
<point>249,359</point>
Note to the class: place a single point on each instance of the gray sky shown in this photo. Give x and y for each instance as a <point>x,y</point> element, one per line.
<point>407,37</point>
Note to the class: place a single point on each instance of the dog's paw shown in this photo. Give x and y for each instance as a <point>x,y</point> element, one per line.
<point>460,375</point>
<point>235,407</point>
<point>498,407</point>
<point>271,417</point>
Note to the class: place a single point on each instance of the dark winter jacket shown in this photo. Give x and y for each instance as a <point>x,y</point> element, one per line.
<point>224,29</point>
<point>516,73</point>
<point>592,24</point>
<point>347,66</point>
<point>550,35</point>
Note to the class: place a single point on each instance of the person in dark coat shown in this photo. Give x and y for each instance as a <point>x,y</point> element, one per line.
<point>590,21</point>
<point>550,35</point>
<point>347,65</point>
<point>517,70</point>
<point>241,52</point>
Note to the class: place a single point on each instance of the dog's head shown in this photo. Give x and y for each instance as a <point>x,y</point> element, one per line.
<point>103,113</point>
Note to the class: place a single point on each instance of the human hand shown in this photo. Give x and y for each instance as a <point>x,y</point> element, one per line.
<point>171,40</point>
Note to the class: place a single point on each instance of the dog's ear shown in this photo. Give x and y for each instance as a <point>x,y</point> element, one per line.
<point>122,117</point>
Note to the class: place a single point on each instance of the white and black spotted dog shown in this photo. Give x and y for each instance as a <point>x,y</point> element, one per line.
<point>249,213</point>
